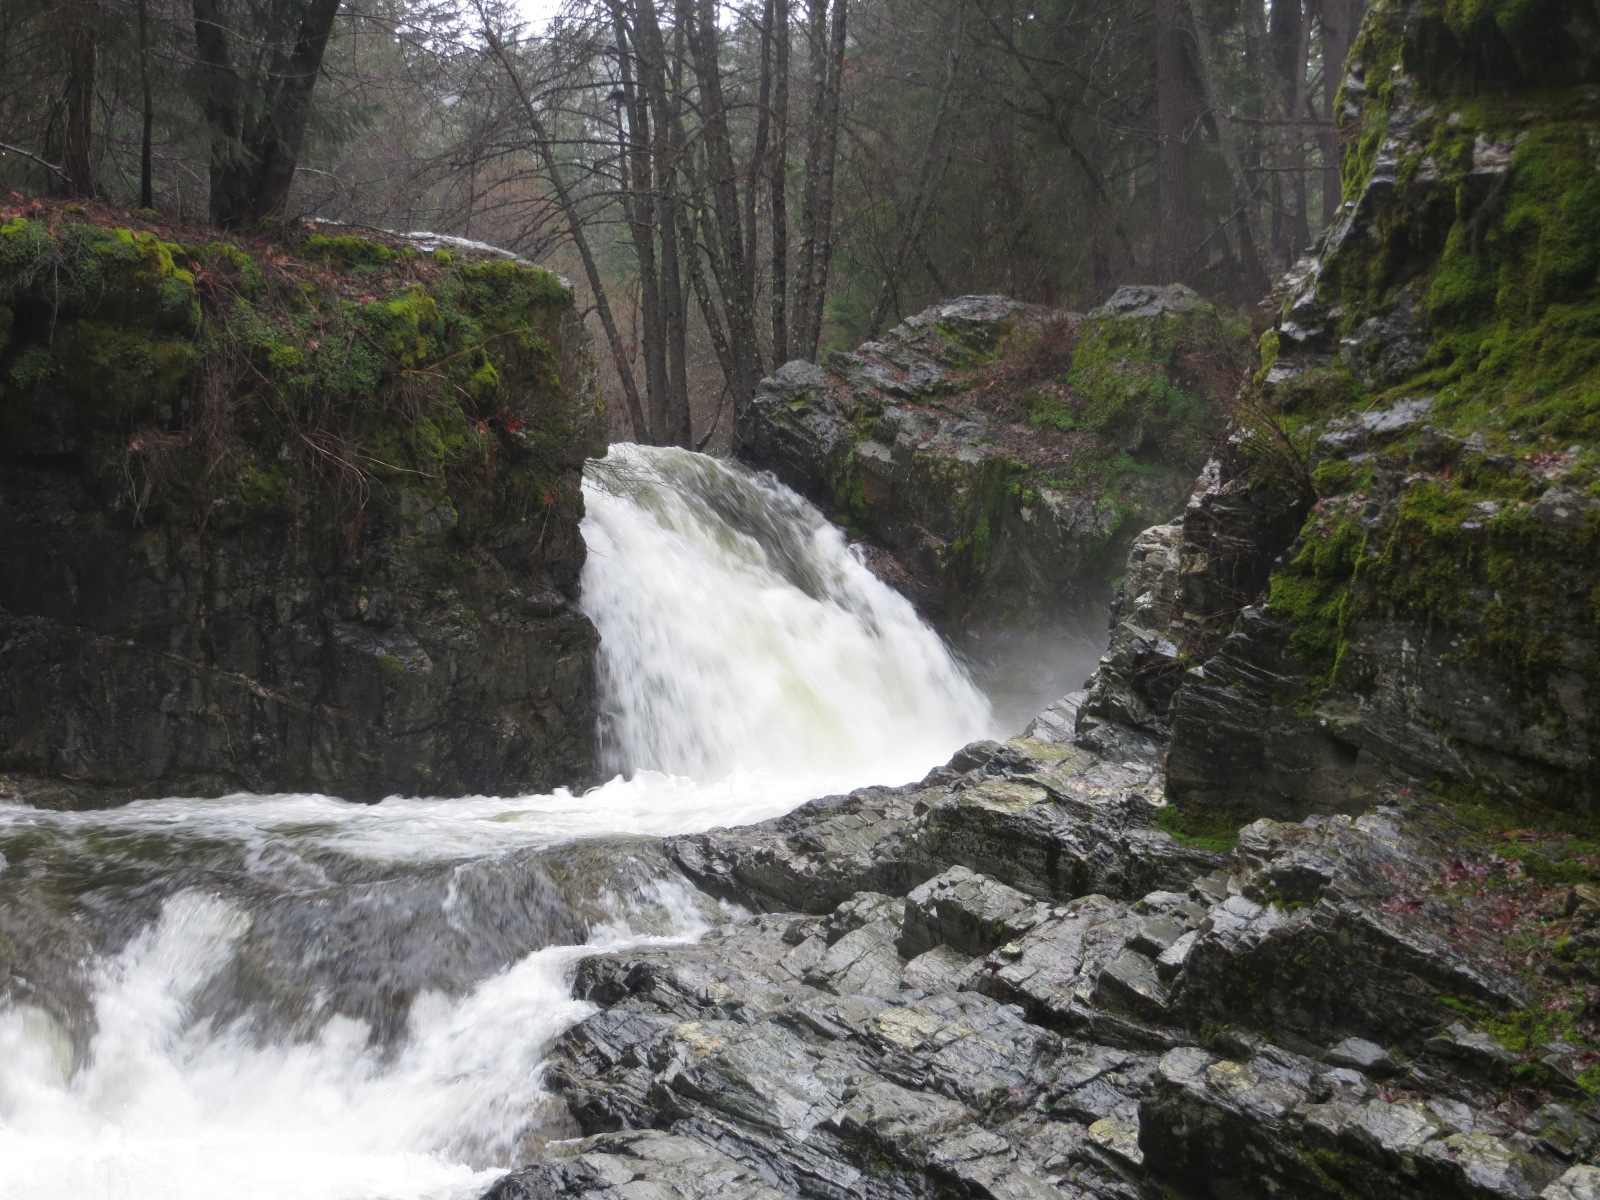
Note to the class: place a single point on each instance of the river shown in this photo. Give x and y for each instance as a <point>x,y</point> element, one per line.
<point>296,998</point>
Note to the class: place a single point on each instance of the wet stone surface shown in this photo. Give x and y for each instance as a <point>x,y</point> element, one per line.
<point>1008,981</point>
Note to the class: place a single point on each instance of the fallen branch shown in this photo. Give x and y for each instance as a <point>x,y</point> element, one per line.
<point>54,170</point>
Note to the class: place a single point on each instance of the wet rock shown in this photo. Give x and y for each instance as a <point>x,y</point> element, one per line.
<point>1139,673</point>
<point>930,448</point>
<point>1131,982</point>
<point>1365,1056</point>
<point>642,1165</point>
<point>810,860</point>
<point>1320,943</point>
<point>1580,1183</point>
<point>969,912</point>
<point>862,961</point>
<point>1063,825</point>
<point>1146,301</point>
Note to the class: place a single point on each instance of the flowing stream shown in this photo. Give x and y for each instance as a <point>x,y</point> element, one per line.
<point>295,997</point>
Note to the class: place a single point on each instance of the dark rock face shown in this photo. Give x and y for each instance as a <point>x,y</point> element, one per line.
<point>921,1009</point>
<point>165,660</point>
<point>1000,455</point>
<point>249,617</point>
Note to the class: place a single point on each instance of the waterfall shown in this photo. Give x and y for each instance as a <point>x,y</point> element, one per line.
<point>738,632</point>
<point>274,996</point>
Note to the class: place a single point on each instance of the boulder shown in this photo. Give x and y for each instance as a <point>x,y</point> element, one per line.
<point>247,553</point>
<point>1000,455</point>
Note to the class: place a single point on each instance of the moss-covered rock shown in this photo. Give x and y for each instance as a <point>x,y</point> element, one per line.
<point>300,516</point>
<point>1427,434</point>
<point>1004,455</point>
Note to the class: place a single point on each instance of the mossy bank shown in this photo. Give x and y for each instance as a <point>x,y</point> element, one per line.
<point>288,514</point>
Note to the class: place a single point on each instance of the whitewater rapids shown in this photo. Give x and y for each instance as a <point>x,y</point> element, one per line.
<point>291,996</point>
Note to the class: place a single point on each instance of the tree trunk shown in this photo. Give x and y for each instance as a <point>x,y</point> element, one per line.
<point>754,174</point>
<point>83,58</point>
<point>580,240</point>
<point>827,47</point>
<point>1286,37</point>
<point>1338,22</point>
<point>935,158</point>
<point>639,208</point>
<point>664,96</point>
<point>778,183</point>
<point>725,241</point>
<point>258,120</point>
<point>1175,123</point>
<point>147,197</point>
<point>1245,214</point>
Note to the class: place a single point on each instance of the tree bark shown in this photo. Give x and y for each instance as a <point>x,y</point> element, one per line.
<point>1245,219</point>
<point>257,113</point>
<point>664,93</point>
<point>1338,20</point>
<point>827,45</point>
<point>639,207</point>
<point>778,183</point>
<point>1175,123</point>
<point>147,198</point>
<point>83,58</point>
<point>725,240</point>
<point>1285,85</point>
<point>934,160</point>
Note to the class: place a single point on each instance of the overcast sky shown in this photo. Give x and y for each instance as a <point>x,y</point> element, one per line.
<point>539,12</point>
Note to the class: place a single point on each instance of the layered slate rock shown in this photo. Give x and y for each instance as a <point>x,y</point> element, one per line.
<point>1323,1013</point>
<point>291,518</point>
<point>998,455</point>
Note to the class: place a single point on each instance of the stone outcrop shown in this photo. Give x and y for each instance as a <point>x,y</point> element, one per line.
<point>1388,574</point>
<point>297,517</point>
<point>1000,455</point>
<point>1007,981</point>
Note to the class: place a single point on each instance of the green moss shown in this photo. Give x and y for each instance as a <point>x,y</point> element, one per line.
<point>1216,830</point>
<point>25,248</point>
<point>963,348</point>
<point>347,250</point>
<point>199,376</point>
<point>1125,372</point>
<point>1319,392</point>
<point>1051,410</point>
<point>229,264</point>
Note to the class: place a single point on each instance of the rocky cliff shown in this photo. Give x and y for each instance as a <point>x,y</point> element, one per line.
<point>1391,576</point>
<point>299,515</point>
<point>1001,455</point>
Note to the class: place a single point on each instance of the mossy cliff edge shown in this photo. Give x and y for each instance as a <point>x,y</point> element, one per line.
<point>1393,575</point>
<point>299,515</point>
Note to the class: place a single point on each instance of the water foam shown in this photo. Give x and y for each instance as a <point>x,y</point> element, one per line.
<point>164,1107</point>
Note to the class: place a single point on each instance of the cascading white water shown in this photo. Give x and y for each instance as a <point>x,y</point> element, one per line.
<point>765,645</point>
<point>291,996</point>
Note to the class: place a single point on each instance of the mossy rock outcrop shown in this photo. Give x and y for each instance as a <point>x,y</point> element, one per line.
<point>1001,454</point>
<point>1394,575</point>
<point>300,516</point>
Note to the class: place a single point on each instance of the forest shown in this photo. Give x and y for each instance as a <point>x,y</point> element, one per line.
<point>730,186</point>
